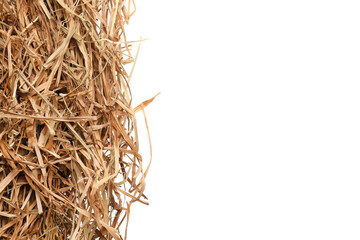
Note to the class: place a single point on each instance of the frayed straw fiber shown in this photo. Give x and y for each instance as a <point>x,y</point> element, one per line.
<point>69,157</point>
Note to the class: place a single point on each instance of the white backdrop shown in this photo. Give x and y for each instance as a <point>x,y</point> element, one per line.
<point>256,131</point>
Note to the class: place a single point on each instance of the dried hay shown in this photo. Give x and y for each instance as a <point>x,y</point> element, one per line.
<point>69,156</point>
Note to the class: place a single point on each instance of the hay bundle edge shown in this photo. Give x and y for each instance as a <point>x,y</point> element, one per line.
<point>70,166</point>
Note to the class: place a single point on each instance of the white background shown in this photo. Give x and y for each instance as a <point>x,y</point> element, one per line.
<point>256,132</point>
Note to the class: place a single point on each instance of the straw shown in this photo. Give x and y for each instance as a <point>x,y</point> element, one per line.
<point>70,166</point>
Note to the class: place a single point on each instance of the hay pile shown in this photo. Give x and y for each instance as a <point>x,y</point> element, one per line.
<point>69,161</point>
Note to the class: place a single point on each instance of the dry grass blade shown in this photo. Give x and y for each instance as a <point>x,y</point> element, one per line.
<point>69,161</point>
